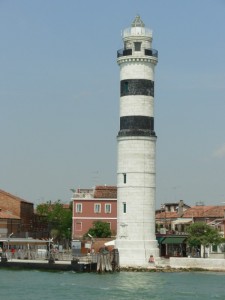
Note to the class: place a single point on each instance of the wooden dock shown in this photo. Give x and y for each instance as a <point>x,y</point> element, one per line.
<point>100,262</point>
<point>45,265</point>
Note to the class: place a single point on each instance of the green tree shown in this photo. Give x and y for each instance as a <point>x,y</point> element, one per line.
<point>59,218</point>
<point>202,234</point>
<point>99,230</point>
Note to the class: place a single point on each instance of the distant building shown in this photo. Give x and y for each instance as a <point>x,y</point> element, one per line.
<point>42,226</point>
<point>9,223</point>
<point>173,219</point>
<point>89,205</point>
<point>168,216</point>
<point>16,215</point>
<point>212,215</point>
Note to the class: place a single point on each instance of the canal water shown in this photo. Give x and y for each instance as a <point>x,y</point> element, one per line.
<point>37,285</point>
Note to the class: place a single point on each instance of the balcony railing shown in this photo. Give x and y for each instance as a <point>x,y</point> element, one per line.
<point>151,52</point>
<point>124,52</point>
<point>127,52</point>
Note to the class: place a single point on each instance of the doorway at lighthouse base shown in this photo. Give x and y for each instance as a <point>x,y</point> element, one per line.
<point>136,253</point>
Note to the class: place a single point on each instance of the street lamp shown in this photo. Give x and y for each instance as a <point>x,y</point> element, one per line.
<point>8,244</point>
<point>69,238</point>
<point>51,259</point>
<point>92,242</point>
<point>9,239</point>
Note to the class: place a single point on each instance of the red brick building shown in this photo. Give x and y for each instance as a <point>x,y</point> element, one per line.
<point>89,205</point>
<point>15,211</point>
<point>8,223</point>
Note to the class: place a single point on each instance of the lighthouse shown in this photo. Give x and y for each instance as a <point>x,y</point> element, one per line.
<point>136,146</point>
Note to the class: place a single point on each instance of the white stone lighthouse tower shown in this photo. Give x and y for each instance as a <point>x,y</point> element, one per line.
<point>136,139</point>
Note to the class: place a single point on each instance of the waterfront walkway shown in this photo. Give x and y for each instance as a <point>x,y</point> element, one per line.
<point>87,264</point>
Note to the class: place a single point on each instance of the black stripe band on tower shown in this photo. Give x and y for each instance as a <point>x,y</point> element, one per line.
<point>136,87</point>
<point>136,122</point>
<point>136,126</point>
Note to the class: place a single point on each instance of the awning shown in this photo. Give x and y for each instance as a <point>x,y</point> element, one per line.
<point>110,243</point>
<point>182,221</point>
<point>160,239</point>
<point>173,240</point>
<point>22,241</point>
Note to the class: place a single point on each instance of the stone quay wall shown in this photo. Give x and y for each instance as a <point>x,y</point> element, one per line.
<point>197,263</point>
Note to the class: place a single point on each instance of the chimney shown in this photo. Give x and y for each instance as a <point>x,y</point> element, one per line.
<point>180,208</point>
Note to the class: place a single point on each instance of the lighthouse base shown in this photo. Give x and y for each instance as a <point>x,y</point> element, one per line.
<point>136,253</point>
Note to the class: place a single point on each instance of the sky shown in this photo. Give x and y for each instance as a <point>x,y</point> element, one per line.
<point>59,96</point>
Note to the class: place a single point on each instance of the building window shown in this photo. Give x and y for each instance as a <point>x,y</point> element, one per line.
<point>78,226</point>
<point>109,224</point>
<point>107,208</point>
<point>97,208</point>
<point>79,208</point>
<point>137,46</point>
<point>124,178</point>
<point>124,207</point>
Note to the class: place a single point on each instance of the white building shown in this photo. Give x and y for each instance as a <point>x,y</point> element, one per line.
<point>136,139</point>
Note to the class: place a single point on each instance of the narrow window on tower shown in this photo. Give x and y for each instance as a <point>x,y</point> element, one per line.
<point>124,207</point>
<point>124,178</point>
<point>126,87</point>
<point>137,46</point>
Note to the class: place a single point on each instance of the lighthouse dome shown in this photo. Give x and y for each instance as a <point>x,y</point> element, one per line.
<point>137,22</point>
<point>137,28</point>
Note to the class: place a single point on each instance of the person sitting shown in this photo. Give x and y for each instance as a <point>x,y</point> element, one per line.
<point>151,259</point>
